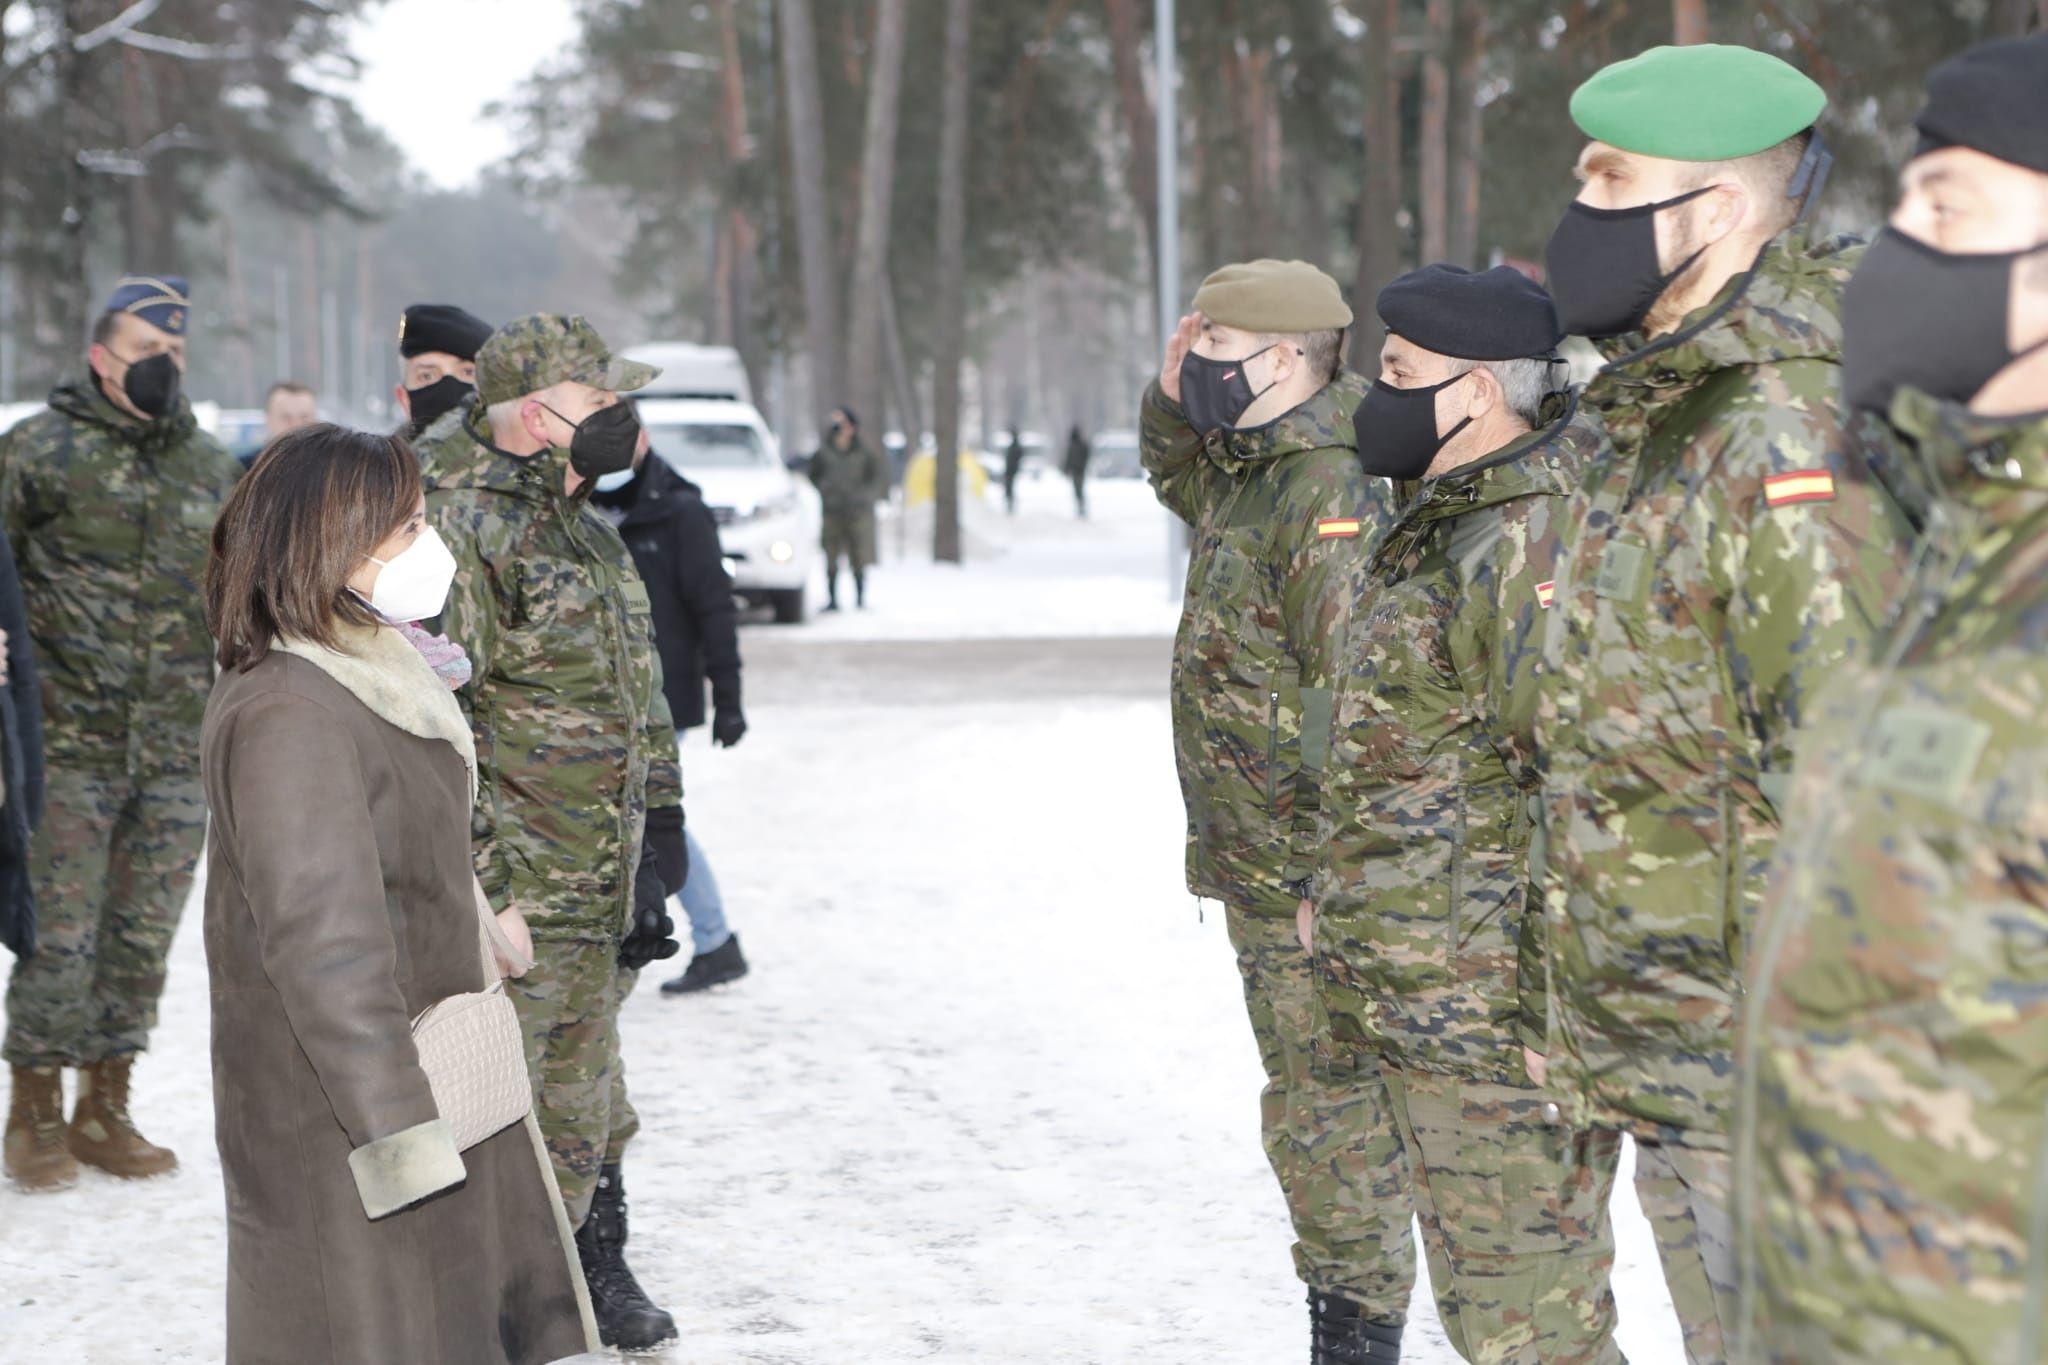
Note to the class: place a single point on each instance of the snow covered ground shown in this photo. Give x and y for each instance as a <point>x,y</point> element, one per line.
<point>988,1096</point>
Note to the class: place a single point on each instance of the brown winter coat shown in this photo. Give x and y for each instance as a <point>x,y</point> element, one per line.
<point>338,906</point>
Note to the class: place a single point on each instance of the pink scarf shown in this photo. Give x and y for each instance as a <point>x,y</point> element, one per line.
<point>447,658</point>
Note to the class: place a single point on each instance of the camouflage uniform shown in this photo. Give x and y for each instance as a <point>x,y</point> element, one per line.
<point>574,746</point>
<point>1733,551</point>
<point>110,519</point>
<point>1421,900</point>
<point>850,482</point>
<point>1278,514</point>
<point>1894,1144</point>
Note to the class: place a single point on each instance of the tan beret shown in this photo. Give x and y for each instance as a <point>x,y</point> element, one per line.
<point>1273,296</point>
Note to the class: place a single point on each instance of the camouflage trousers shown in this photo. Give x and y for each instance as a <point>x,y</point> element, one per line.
<point>1514,1220</point>
<point>1687,1194</point>
<point>569,1010</point>
<point>112,867</point>
<point>1329,1132</point>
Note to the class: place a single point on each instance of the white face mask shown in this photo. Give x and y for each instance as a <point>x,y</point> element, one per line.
<point>413,585</point>
<point>614,481</point>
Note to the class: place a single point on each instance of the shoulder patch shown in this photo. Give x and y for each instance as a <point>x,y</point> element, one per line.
<point>1338,528</point>
<point>1546,593</point>
<point>1804,485</point>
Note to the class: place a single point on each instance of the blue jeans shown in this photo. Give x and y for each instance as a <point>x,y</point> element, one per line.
<point>701,901</point>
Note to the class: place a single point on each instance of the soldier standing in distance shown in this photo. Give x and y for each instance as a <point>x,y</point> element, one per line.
<point>1891,1191</point>
<point>1732,552</point>
<point>850,478</point>
<point>579,820</point>
<point>109,498</point>
<point>437,346</point>
<point>1420,910</point>
<point>1247,437</point>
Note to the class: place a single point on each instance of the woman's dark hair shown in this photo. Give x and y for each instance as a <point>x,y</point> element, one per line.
<point>315,502</point>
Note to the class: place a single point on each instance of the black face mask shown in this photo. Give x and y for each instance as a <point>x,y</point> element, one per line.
<point>1397,429</point>
<point>429,403</point>
<point>604,441</point>
<point>1915,317</point>
<point>1603,267</point>
<point>1215,393</point>
<point>152,385</point>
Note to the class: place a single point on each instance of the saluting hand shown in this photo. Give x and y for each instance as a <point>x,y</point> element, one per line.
<point>1177,347</point>
<point>1305,924</point>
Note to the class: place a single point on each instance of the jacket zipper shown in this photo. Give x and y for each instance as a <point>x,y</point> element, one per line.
<point>1273,753</point>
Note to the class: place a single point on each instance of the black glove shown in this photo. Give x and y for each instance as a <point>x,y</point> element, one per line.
<point>664,840</point>
<point>653,936</point>
<point>728,726</point>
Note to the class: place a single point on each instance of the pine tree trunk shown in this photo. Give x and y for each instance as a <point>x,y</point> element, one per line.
<point>734,304</point>
<point>864,340</point>
<point>73,293</point>
<point>1141,170</point>
<point>799,41</point>
<point>1435,133</point>
<point>946,546</point>
<point>1688,21</point>
<point>1379,207</point>
<point>1468,127</point>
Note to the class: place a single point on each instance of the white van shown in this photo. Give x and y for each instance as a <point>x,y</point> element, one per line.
<point>768,518</point>
<point>689,370</point>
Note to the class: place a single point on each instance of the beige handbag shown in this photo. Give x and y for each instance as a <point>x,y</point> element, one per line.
<point>473,1052</point>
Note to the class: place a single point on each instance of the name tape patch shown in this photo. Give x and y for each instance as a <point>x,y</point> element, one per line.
<point>1805,485</point>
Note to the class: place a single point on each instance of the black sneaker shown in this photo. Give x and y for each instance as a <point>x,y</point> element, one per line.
<point>1340,1334</point>
<point>721,966</point>
<point>626,1317</point>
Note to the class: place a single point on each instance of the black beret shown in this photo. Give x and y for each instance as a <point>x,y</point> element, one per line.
<point>1497,314</point>
<point>441,327</point>
<point>1993,99</point>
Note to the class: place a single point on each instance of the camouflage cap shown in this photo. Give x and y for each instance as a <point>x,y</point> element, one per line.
<point>542,350</point>
<point>1273,296</point>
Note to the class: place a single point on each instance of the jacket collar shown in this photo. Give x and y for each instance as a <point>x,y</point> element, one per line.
<point>1995,466</point>
<point>85,401</point>
<point>387,675</point>
<point>1787,306</point>
<point>1322,421</point>
<point>462,456</point>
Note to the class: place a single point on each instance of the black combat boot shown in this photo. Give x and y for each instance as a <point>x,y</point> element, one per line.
<point>860,590</point>
<point>831,590</point>
<point>626,1318</point>
<point>1340,1335</point>
<point>721,966</point>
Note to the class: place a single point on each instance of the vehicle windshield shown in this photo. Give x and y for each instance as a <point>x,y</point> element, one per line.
<point>708,445</point>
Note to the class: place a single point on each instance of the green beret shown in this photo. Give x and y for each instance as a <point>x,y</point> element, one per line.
<point>1706,102</point>
<point>1273,296</point>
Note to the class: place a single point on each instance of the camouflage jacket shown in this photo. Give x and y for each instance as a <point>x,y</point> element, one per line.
<point>1728,555</point>
<point>850,481</point>
<point>111,521</point>
<point>1424,835</point>
<point>1280,515</point>
<point>573,740</point>
<point>1893,1158</point>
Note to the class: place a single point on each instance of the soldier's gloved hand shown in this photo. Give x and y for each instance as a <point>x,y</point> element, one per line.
<point>728,726</point>
<point>653,936</point>
<point>671,851</point>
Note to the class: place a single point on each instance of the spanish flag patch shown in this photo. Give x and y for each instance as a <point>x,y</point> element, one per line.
<point>1805,485</point>
<point>1546,593</point>
<point>1337,528</point>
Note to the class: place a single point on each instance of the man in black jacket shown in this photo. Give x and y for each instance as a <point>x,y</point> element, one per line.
<point>674,542</point>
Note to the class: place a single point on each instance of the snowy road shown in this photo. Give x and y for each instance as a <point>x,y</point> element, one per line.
<point>988,1097</point>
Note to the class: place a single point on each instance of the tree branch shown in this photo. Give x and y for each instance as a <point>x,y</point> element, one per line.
<point>116,26</point>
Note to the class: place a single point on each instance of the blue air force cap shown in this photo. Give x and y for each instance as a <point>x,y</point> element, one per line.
<point>162,301</point>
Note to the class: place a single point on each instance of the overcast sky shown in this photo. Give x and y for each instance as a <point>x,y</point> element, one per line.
<point>430,67</point>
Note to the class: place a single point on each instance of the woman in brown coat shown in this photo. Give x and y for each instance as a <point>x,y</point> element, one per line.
<point>340,903</point>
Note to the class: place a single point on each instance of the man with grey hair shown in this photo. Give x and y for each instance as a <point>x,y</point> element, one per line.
<point>1418,915</point>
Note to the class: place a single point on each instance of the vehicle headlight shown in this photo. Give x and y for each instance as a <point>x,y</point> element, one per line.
<point>782,552</point>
